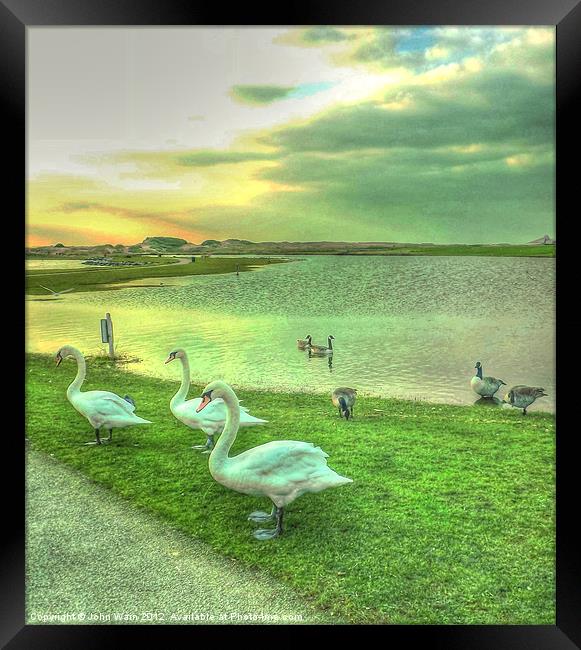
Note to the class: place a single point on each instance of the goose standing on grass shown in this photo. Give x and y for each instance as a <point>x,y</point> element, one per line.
<point>523,396</point>
<point>281,470</point>
<point>303,343</point>
<point>321,350</point>
<point>484,386</point>
<point>213,419</point>
<point>344,399</point>
<point>102,408</point>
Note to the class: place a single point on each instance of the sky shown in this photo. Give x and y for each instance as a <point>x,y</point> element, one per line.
<point>411,134</point>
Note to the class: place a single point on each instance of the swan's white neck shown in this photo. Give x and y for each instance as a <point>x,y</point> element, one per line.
<point>77,382</point>
<point>182,393</point>
<point>219,454</point>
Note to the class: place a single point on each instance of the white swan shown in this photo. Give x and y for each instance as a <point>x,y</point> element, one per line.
<point>102,408</point>
<point>281,470</point>
<point>214,417</point>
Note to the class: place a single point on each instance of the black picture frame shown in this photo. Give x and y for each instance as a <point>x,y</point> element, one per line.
<point>17,15</point>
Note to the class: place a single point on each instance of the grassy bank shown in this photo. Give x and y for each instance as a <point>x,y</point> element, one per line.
<point>453,250</point>
<point>450,518</point>
<point>99,278</point>
<point>352,248</point>
<point>461,250</point>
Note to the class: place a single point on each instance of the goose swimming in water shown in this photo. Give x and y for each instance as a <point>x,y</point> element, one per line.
<point>344,399</point>
<point>303,343</point>
<point>102,408</point>
<point>321,350</point>
<point>212,421</point>
<point>484,386</point>
<point>281,470</point>
<point>523,396</point>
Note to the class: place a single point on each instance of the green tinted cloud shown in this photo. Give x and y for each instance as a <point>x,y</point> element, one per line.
<point>490,108</point>
<point>323,34</point>
<point>260,95</point>
<point>208,158</point>
<point>438,170</point>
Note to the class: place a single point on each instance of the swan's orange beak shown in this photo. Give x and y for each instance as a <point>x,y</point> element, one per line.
<point>206,399</point>
<point>58,360</point>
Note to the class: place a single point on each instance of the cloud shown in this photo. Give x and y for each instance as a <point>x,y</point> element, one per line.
<point>423,48</point>
<point>322,34</point>
<point>209,158</point>
<point>459,148</point>
<point>488,107</point>
<point>260,95</point>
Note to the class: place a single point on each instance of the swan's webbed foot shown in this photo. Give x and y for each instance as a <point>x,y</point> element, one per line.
<point>207,448</point>
<point>266,533</point>
<point>259,516</point>
<point>110,437</point>
<point>269,533</point>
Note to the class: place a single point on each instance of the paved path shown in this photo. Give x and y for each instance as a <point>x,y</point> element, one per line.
<point>91,553</point>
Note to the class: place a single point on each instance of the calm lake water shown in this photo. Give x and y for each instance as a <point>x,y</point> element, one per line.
<point>408,327</point>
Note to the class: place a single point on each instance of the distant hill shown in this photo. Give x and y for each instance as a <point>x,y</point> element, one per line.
<point>163,243</point>
<point>545,239</point>
<point>176,245</point>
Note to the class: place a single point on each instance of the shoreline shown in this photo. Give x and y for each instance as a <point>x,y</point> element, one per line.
<point>103,361</point>
<point>441,250</point>
<point>100,279</point>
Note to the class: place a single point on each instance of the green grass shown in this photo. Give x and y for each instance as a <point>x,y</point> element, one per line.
<point>99,278</point>
<point>480,250</point>
<point>450,519</point>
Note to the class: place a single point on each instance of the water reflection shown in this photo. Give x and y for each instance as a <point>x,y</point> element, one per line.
<point>416,340</point>
<point>488,401</point>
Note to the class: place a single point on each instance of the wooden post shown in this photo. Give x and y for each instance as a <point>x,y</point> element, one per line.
<point>110,335</point>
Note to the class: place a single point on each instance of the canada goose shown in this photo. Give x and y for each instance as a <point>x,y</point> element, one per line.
<point>484,386</point>
<point>281,470</point>
<point>303,343</point>
<point>523,396</point>
<point>344,399</point>
<point>320,349</point>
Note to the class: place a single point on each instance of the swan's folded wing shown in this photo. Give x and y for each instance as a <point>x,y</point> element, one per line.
<point>288,458</point>
<point>107,403</point>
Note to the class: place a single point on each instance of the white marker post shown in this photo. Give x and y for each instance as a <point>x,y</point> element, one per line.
<point>107,334</point>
